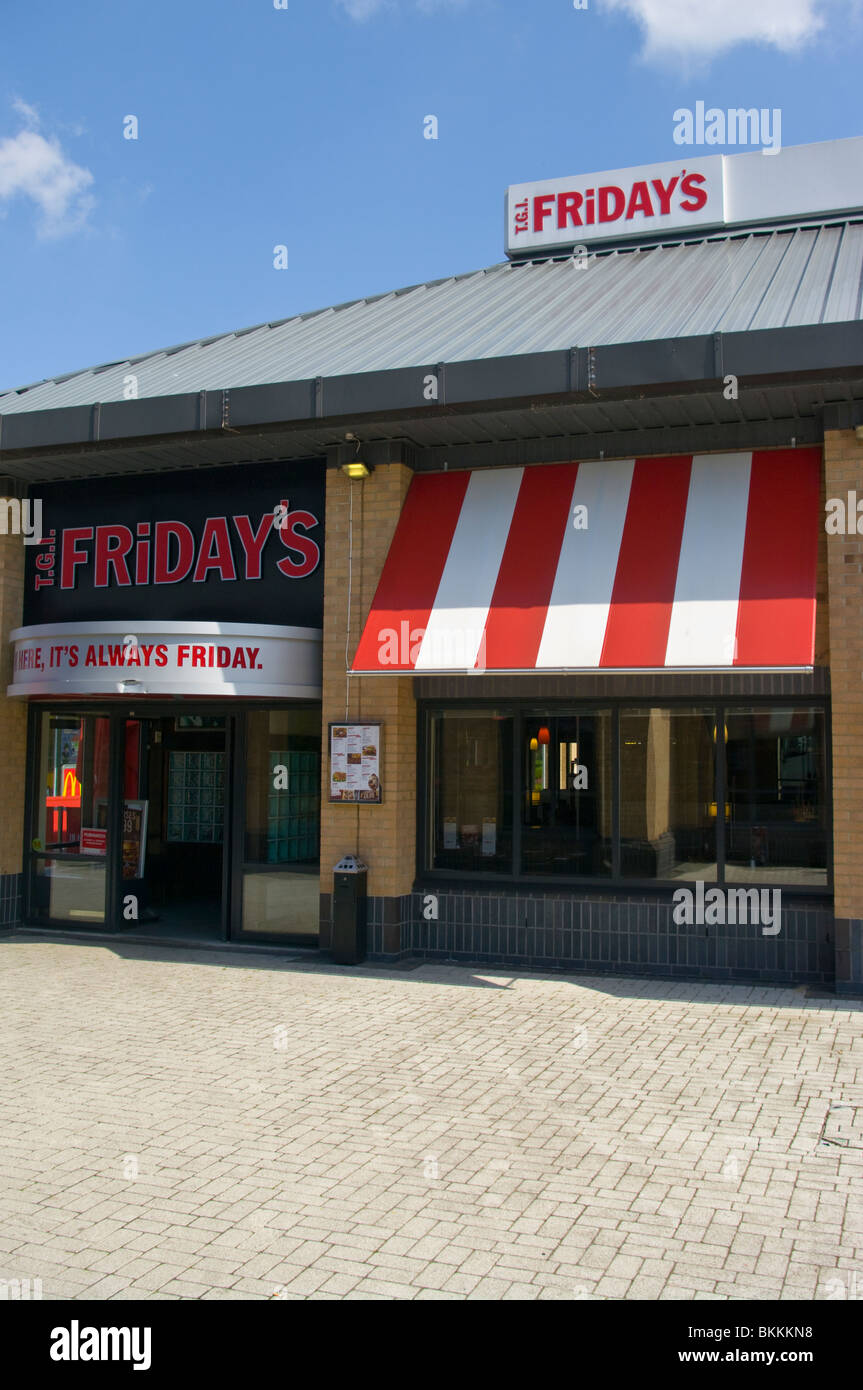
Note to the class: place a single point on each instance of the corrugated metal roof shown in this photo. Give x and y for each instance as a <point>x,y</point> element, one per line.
<point>719,284</point>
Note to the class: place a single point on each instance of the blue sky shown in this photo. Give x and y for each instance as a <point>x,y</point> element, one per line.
<point>303,127</point>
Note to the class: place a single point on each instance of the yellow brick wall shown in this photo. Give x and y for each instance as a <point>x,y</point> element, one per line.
<point>843,459</point>
<point>13,713</point>
<point>384,836</point>
<point>822,590</point>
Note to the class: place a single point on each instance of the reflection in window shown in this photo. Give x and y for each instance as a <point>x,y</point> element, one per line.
<point>777,796</point>
<point>471,820</point>
<point>72,791</point>
<point>69,834</point>
<point>281,877</point>
<point>660,793</point>
<point>567,805</point>
<point>283,786</point>
<point>668,793</point>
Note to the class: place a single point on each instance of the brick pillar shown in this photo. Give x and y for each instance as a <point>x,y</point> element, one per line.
<point>13,734</point>
<point>385,835</point>
<point>843,468</point>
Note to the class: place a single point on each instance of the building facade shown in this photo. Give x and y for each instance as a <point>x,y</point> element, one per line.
<point>564,552</point>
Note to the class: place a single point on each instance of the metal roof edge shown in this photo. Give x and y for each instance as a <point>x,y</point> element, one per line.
<point>212,338</point>
<point>654,366</point>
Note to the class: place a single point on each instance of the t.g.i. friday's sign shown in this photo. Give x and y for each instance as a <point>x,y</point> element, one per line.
<point>239,544</point>
<point>197,582</point>
<point>712,190</point>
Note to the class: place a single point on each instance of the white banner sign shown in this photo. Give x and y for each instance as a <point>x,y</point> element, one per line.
<point>167,659</point>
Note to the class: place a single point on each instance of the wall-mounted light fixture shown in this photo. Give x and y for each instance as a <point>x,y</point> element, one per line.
<point>356,468</point>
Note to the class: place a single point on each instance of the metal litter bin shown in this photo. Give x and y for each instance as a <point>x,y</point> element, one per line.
<point>348,939</point>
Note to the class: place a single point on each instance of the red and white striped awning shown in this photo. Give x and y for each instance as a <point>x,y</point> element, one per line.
<point>690,562</point>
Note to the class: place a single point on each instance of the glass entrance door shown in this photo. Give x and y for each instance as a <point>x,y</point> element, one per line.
<point>184,826</point>
<point>70,830</point>
<point>279,879</point>
<point>177,766</point>
<point>129,822</point>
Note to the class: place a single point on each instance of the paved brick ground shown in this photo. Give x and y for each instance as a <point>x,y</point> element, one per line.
<point>215,1126</point>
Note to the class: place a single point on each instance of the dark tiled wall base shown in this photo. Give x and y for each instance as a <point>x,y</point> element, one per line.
<point>626,935</point>
<point>607,933</point>
<point>11,891</point>
<point>849,955</point>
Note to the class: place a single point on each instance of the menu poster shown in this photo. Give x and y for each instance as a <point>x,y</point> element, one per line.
<point>355,762</point>
<point>134,838</point>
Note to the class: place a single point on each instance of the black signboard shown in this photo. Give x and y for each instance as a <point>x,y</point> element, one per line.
<point>237,544</point>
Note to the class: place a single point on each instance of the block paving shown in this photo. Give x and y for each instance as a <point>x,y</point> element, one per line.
<point>193,1124</point>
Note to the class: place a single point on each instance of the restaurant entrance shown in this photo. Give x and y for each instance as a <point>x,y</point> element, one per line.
<point>181,765</point>
<point>130,821</point>
<point>195,825</point>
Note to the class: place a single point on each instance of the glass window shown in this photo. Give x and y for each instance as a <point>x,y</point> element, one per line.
<point>70,814</point>
<point>471,814</point>
<point>567,809</point>
<point>777,795</point>
<point>659,794</point>
<point>282,903</point>
<point>283,786</point>
<point>66,890</point>
<point>282,831</point>
<point>668,793</point>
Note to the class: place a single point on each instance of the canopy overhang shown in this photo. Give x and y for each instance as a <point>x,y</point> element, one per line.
<point>691,562</point>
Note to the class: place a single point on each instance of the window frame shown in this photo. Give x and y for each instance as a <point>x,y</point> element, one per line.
<point>243,867</point>
<point>522,709</point>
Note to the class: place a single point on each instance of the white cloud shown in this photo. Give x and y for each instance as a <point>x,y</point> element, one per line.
<point>705,28</point>
<point>34,167</point>
<point>28,113</point>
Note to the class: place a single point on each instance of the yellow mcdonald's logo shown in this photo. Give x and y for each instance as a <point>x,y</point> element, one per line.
<point>71,785</point>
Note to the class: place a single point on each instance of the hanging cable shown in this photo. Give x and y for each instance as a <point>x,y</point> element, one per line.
<point>350,582</point>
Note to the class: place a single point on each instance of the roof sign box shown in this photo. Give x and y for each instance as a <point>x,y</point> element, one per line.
<point>712,191</point>
<point>620,202</point>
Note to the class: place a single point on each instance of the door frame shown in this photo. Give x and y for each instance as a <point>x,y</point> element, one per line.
<point>118,713</point>
<point>240,867</point>
<point>231,717</point>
